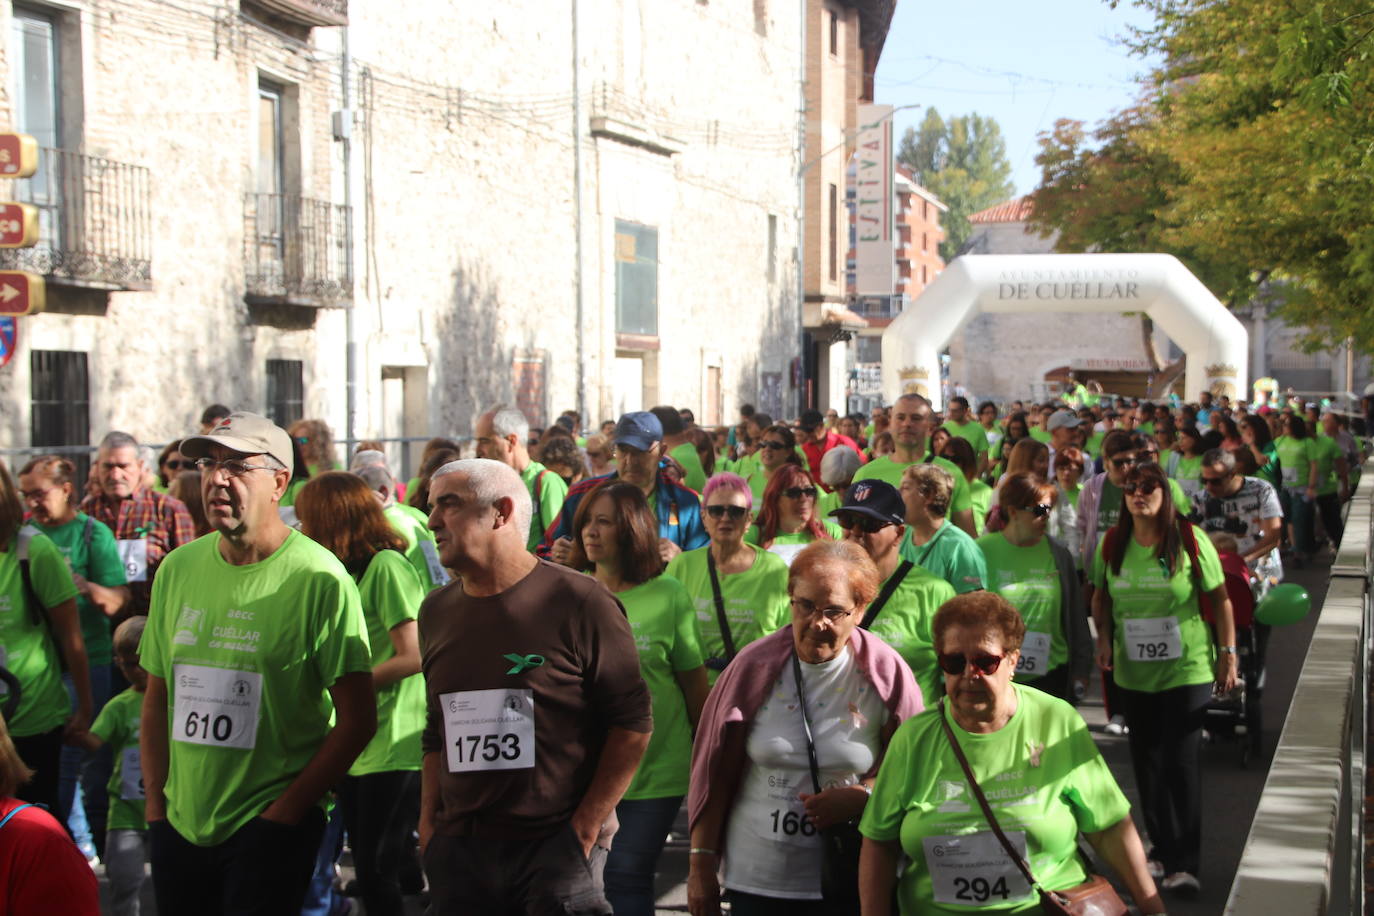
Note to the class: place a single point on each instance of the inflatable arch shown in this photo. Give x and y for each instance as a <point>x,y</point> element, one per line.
<point>1157,284</point>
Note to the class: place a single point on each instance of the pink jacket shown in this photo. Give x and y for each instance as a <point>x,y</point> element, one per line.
<point>744,686</point>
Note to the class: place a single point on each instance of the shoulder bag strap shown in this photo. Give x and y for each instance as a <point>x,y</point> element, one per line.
<point>721,619</point>
<point>806,723</point>
<point>892,584</point>
<point>982,800</point>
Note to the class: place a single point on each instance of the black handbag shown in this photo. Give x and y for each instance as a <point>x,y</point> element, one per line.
<point>841,843</point>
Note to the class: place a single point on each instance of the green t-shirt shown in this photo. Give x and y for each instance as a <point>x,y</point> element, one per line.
<point>981,495</point>
<point>884,468</point>
<point>1044,779</point>
<point>686,455</point>
<point>421,551</point>
<point>248,654</point>
<point>26,647</point>
<point>904,624</point>
<point>1295,458</point>
<point>101,565</point>
<point>668,639</point>
<point>1327,452</point>
<point>118,725</point>
<point>952,555</point>
<point>1160,638</point>
<point>391,594</point>
<point>756,601</point>
<point>1029,579</point>
<point>972,432</point>
<point>548,501</point>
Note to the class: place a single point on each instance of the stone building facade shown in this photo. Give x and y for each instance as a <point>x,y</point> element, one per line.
<point>440,198</point>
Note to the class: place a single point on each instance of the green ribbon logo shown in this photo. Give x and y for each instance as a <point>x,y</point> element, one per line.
<point>522,663</point>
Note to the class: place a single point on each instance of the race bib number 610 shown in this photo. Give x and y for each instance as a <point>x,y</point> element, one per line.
<point>489,729</point>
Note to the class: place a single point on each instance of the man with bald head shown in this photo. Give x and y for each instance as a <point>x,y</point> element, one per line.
<point>537,715</point>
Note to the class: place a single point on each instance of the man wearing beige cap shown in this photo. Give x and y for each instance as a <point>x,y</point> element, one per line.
<point>255,637</point>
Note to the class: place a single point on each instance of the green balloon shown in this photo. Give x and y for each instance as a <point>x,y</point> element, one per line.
<point>1285,604</point>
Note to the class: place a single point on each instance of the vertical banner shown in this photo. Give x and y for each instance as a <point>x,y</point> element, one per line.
<point>875,261</point>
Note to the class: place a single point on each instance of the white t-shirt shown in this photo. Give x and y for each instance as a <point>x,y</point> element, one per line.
<point>1241,515</point>
<point>771,848</point>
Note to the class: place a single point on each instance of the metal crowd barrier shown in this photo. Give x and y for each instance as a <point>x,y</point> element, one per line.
<point>1305,851</point>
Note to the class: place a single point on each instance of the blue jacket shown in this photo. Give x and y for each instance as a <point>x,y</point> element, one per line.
<point>679,513</point>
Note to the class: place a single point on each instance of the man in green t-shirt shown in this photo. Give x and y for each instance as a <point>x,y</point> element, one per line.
<point>259,691</point>
<point>501,435</point>
<point>910,426</point>
<point>680,448</point>
<point>962,424</point>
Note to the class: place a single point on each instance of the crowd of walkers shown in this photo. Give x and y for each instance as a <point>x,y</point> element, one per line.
<point>852,646</point>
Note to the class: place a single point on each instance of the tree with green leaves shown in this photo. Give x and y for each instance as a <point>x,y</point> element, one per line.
<point>962,161</point>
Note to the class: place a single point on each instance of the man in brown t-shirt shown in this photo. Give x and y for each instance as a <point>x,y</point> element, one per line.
<point>537,715</point>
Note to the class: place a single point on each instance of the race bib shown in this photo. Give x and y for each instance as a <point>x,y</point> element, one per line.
<point>489,729</point>
<point>975,870</point>
<point>784,816</point>
<point>133,553</point>
<point>1035,655</point>
<point>1153,639</point>
<point>437,574</point>
<point>216,707</point>
<point>788,552</point>
<point>131,774</point>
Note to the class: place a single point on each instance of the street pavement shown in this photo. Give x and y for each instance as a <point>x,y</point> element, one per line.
<point>1230,791</point>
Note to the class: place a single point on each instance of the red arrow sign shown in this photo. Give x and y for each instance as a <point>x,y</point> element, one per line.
<point>21,293</point>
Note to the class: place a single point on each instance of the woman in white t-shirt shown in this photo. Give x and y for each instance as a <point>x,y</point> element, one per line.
<point>754,808</point>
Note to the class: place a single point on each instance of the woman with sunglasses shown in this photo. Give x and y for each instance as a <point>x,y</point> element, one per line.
<point>615,537</point>
<point>1034,758</point>
<point>788,520</point>
<point>739,591</point>
<point>777,447</point>
<point>1037,575</point>
<point>821,686</point>
<point>936,544</point>
<point>1154,574</point>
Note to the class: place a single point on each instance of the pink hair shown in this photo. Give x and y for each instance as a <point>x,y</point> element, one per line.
<point>730,483</point>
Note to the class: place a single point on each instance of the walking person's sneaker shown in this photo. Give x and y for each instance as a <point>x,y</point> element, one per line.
<point>1181,883</point>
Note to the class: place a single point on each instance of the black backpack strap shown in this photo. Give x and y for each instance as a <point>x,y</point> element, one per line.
<point>891,585</point>
<point>721,619</point>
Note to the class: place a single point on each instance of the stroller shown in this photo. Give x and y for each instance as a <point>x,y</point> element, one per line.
<point>1238,716</point>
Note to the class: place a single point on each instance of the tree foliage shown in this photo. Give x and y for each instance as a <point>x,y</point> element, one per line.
<point>962,161</point>
<point>1251,157</point>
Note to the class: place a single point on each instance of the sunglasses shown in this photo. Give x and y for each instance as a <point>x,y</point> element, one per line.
<point>986,663</point>
<point>799,492</point>
<point>867,524</point>
<point>735,512</point>
<point>1143,487</point>
<point>773,444</point>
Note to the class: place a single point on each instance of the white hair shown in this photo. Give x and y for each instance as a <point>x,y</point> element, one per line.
<point>492,480</point>
<point>510,421</point>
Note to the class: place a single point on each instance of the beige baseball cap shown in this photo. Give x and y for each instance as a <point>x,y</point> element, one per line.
<point>243,432</point>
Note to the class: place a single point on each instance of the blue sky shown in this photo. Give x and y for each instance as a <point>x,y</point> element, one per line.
<point>1025,63</point>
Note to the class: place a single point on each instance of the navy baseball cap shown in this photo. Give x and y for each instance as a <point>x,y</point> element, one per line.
<point>638,429</point>
<point>876,499</point>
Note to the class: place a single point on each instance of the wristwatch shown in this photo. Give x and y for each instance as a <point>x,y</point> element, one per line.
<point>1229,650</point>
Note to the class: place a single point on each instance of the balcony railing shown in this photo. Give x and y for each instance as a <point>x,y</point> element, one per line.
<point>295,250</point>
<point>309,12</point>
<point>94,222</point>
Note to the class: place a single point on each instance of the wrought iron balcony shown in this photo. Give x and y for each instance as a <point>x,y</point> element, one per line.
<point>94,222</point>
<point>295,250</point>
<point>309,12</point>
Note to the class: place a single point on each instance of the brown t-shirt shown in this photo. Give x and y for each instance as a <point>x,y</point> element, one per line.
<point>555,646</point>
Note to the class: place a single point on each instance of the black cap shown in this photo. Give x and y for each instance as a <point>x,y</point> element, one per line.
<point>876,499</point>
<point>810,419</point>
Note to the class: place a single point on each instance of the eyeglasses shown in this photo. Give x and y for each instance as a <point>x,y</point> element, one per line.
<point>773,444</point>
<point>234,467</point>
<point>735,512</point>
<point>831,614</point>
<point>1214,481</point>
<point>1040,510</point>
<point>799,492</point>
<point>1143,487</point>
<point>865,523</point>
<point>957,663</point>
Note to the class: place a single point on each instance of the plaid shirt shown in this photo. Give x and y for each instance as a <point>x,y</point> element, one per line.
<point>162,519</point>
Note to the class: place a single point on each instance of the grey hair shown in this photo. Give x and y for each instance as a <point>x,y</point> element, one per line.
<point>492,480</point>
<point>368,458</point>
<point>510,421</point>
<point>1219,456</point>
<point>116,439</point>
<point>839,465</point>
<point>376,476</point>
